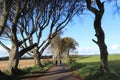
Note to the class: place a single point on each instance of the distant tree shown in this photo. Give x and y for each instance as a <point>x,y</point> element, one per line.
<point>98,11</point>
<point>67,45</point>
<point>54,45</point>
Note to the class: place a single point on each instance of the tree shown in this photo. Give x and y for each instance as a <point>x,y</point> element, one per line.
<point>55,18</point>
<point>19,10</point>
<point>54,45</point>
<point>40,18</point>
<point>98,12</point>
<point>19,31</point>
<point>67,44</point>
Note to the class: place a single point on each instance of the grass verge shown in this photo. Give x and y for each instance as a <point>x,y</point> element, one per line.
<point>88,67</point>
<point>25,71</point>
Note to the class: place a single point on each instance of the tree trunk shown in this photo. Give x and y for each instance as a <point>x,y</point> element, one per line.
<point>3,21</point>
<point>13,59</point>
<point>68,54</point>
<point>42,50</point>
<point>101,42</point>
<point>37,59</point>
<point>103,56</point>
<point>99,33</point>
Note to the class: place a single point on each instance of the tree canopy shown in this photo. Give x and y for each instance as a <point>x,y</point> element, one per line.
<point>23,23</point>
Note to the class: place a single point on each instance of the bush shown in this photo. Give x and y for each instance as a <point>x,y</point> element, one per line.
<point>48,63</point>
<point>74,65</point>
<point>33,69</point>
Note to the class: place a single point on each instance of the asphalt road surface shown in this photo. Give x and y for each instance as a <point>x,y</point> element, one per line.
<point>59,72</point>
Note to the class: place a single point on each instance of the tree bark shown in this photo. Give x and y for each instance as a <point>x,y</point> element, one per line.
<point>68,54</point>
<point>41,52</point>
<point>13,59</point>
<point>99,33</point>
<point>101,43</point>
<point>37,59</point>
<point>15,55</point>
<point>3,21</point>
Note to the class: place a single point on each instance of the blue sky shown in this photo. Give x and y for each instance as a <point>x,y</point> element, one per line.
<point>82,30</point>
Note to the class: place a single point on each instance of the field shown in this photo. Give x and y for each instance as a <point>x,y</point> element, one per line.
<point>22,63</point>
<point>88,67</point>
<point>114,61</point>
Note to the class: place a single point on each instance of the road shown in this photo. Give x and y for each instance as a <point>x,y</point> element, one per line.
<point>59,72</point>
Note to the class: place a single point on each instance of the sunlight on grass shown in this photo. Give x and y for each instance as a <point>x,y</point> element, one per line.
<point>88,59</point>
<point>114,57</point>
<point>96,58</point>
<point>91,69</point>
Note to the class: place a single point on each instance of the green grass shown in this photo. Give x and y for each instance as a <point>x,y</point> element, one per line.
<point>87,59</point>
<point>89,67</point>
<point>26,71</point>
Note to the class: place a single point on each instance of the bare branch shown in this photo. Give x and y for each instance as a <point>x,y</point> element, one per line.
<point>23,51</point>
<point>4,46</point>
<point>89,6</point>
<point>94,41</point>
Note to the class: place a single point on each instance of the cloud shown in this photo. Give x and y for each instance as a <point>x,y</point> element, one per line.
<point>3,52</point>
<point>115,47</point>
<point>88,50</point>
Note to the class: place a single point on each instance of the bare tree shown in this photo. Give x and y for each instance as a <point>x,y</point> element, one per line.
<point>55,16</point>
<point>62,13</point>
<point>19,9</point>
<point>98,12</point>
<point>40,18</point>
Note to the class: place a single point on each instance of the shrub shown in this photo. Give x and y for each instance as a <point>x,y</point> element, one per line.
<point>33,69</point>
<point>74,65</point>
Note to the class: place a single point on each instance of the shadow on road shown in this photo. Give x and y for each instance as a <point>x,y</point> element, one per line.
<point>60,69</point>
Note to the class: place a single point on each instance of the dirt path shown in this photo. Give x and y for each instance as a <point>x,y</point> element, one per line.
<point>60,72</point>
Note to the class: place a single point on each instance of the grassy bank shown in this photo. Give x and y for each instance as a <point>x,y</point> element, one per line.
<point>26,72</point>
<point>88,67</point>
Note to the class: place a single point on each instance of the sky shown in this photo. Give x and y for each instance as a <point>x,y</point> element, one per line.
<point>81,29</point>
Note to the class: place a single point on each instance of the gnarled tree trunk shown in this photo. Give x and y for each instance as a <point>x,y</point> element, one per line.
<point>101,43</point>
<point>13,59</point>
<point>15,55</point>
<point>99,32</point>
<point>41,52</point>
<point>37,59</point>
